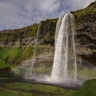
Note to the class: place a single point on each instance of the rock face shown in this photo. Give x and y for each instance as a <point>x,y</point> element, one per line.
<point>27,41</point>
<point>47,32</point>
<point>86,34</point>
<point>86,41</point>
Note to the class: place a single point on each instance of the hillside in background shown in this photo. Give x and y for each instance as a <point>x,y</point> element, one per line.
<point>16,46</point>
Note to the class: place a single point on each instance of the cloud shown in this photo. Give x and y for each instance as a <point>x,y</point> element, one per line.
<point>19,13</point>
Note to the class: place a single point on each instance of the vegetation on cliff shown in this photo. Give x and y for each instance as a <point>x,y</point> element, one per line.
<point>12,35</point>
<point>12,57</point>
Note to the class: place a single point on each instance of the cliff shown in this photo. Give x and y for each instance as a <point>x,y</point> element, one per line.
<point>23,39</point>
<point>86,32</point>
<point>18,37</point>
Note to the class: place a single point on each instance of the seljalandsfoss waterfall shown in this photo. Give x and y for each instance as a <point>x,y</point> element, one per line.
<point>64,69</point>
<point>65,66</point>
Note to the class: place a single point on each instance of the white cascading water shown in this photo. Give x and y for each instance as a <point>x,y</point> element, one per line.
<point>35,49</point>
<point>57,28</point>
<point>64,66</point>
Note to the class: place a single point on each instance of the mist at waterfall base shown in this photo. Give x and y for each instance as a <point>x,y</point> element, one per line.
<point>65,65</point>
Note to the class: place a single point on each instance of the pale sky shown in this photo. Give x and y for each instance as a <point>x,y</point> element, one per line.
<point>19,13</point>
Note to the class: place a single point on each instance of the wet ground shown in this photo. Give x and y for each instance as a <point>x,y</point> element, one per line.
<point>66,85</point>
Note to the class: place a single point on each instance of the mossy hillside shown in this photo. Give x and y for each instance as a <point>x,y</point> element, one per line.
<point>83,14</point>
<point>88,89</point>
<point>12,57</point>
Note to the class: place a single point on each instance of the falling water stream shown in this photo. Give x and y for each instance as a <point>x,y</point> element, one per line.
<point>64,66</point>
<point>35,49</point>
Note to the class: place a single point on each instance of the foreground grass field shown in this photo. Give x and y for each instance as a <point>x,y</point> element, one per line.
<point>26,89</point>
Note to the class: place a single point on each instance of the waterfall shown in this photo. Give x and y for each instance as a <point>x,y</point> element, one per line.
<point>35,48</point>
<point>65,65</point>
<point>57,28</point>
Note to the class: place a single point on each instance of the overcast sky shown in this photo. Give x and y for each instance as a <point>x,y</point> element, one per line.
<point>19,13</point>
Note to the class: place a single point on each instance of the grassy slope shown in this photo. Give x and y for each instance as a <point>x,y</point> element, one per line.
<point>88,89</point>
<point>12,57</point>
<point>83,14</point>
<point>88,10</point>
<point>34,90</point>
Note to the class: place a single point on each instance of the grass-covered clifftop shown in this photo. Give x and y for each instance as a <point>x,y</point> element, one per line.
<point>81,15</point>
<point>26,31</point>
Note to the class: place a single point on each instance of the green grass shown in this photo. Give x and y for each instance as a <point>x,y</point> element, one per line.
<point>85,15</point>
<point>88,89</point>
<point>12,57</point>
<point>13,35</point>
<point>87,73</point>
<point>15,55</point>
<point>27,89</point>
<point>91,9</point>
<point>18,89</point>
<point>8,92</point>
